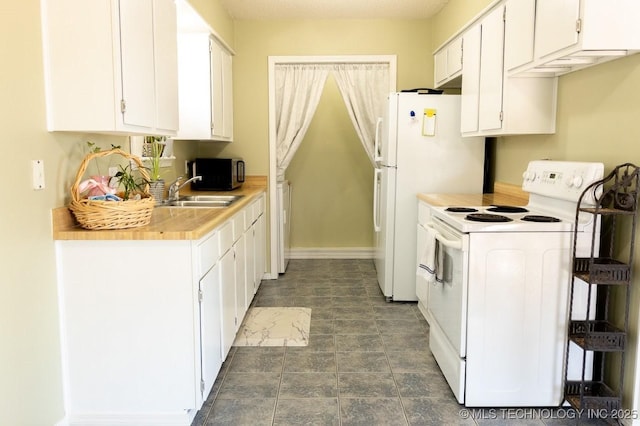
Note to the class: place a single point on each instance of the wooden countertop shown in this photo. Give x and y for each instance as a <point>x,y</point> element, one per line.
<point>505,194</point>
<point>167,223</point>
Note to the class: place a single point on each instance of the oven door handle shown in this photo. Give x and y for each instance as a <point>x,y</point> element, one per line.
<point>454,244</point>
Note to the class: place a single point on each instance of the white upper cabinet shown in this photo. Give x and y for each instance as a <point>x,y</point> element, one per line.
<point>470,96</point>
<point>519,31</point>
<point>491,65</point>
<point>195,80</point>
<point>448,64</point>
<point>205,76</point>
<point>574,34</point>
<point>221,93</point>
<point>166,64</point>
<point>111,66</point>
<point>557,26</point>
<point>492,103</point>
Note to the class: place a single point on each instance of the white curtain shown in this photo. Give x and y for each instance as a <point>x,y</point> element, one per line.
<point>364,88</point>
<point>297,92</point>
<point>298,87</point>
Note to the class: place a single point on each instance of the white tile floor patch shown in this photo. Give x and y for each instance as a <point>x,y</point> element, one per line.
<point>275,327</point>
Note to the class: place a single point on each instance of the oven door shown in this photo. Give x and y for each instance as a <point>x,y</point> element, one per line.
<point>447,306</point>
<point>447,303</point>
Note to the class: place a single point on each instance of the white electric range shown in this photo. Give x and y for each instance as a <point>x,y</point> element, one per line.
<point>499,306</point>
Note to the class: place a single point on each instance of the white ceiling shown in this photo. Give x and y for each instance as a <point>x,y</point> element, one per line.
<point>332,9</point>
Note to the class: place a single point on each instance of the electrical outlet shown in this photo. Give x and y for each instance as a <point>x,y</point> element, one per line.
<point>186,167</point>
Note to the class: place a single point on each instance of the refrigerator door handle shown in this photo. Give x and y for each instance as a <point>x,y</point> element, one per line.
<point>377,149</point>
<point>376,199</point>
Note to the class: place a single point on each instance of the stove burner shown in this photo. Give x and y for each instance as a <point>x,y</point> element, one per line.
<point>537,218</point>
<point>461,209</point>
<point>507,209</point>
<point>484,217</point>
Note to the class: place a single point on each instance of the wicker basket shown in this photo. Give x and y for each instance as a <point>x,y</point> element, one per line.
<point>99,214</point>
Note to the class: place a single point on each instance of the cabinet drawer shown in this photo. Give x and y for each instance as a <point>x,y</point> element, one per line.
<point>226,237</point>
<point>209,252</point>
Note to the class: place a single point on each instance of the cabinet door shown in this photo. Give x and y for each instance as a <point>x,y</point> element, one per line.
<point>210,329</point>
<point>166,64</point>
<point>217,104</point>
<point>227,95</point>
<point>556,25</point>
<point>195,85</point>
<point>251,263</point>
<point>241,279</point>
<point>440,66</point>
<point>228,301</point>
<point>136,47</point>
<point>470,97</point>
<point>260,257</point>
<point>448,61</point>
<point>491,70</point>
<point>518,32</point>
<point>454,56</point>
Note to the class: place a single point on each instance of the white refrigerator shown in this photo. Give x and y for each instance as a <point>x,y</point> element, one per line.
<point>418,149</point>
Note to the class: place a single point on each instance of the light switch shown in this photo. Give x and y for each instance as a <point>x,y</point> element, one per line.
<point>37,168</point>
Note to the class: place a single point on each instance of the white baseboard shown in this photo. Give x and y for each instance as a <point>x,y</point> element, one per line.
<point>332,253</point>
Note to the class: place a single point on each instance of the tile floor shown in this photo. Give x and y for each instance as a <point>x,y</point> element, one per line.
<point>367,363</point>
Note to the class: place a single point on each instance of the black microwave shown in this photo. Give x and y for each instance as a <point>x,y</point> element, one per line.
<point>218,174</point>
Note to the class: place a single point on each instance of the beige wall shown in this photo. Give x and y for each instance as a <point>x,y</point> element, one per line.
<point>330,142</point>
<point>217,18</point>
<point>597,120</point>
<point>454,16</point>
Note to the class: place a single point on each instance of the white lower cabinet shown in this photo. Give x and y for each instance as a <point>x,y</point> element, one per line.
<point>228,300</point>
<point>210,329</point>
<point>143,343</point>
<point>241,267</point>
<point>261,256</point>
<point>255,248</point>
<point>239,247</point>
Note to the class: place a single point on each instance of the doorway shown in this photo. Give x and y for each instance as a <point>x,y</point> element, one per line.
<point>273,61</point>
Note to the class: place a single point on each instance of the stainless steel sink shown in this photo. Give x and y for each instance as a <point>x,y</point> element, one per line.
<point>211,198</point>
<point>203,201</point>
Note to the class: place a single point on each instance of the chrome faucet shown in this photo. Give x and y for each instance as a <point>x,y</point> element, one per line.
<point>176,186</point>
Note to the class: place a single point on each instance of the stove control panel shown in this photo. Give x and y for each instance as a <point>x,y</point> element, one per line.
<point>560,179</point>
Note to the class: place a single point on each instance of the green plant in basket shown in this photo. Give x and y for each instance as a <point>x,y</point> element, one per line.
<point>130,185</point>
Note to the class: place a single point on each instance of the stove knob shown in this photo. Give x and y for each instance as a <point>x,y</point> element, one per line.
<point>573,181</point>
